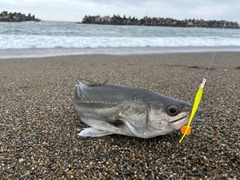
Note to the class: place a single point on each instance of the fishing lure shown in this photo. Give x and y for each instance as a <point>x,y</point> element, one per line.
<point>186,130</point>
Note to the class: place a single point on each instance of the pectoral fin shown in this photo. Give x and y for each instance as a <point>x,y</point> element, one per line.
<point>92,132</point>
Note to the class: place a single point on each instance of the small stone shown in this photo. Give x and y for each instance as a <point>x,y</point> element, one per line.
<point>21,160</point>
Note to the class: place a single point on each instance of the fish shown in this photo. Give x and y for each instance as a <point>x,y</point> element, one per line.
<point>130,111</point>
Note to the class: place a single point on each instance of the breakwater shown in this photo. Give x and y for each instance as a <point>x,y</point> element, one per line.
<point>16,17</point>
<point>157,21</point>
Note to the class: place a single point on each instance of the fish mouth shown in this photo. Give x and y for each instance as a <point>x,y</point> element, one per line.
<point>180,122</point>
<point>187,115</point>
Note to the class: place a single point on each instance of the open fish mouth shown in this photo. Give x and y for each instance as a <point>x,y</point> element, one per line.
<point>180,118</point>
<point>178,123</point>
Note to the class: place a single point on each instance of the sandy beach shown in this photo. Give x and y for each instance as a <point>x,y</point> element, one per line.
<point>39,126</point>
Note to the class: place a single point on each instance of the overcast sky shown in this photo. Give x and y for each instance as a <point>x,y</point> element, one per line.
<point>75,10</point>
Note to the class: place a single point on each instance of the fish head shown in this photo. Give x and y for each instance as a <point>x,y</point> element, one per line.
<point>179,114</point>
<point>169,115</point>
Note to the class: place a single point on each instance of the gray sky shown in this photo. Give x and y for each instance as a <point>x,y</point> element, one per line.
<point>75,10</point>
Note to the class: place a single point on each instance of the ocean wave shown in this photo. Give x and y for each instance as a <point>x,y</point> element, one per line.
<point>36,41</point>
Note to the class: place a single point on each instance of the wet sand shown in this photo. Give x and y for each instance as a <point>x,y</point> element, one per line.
<point>39,126</point>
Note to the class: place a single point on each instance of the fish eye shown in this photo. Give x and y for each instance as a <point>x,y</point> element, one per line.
<point>172,110</point>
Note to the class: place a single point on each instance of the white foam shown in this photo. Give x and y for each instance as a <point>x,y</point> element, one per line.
<point>66,38</point>
<point>34,41</point>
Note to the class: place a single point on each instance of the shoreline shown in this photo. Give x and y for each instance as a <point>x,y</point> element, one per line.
<point>39,125</point>
<point>57,52</point>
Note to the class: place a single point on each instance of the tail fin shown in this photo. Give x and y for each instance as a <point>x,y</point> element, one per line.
<point>80,89</point>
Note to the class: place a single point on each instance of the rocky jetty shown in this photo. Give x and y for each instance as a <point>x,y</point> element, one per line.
<point>16,17</point>
<point>158,21</point>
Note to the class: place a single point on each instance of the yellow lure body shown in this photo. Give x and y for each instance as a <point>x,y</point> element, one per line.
<point>195,107</point>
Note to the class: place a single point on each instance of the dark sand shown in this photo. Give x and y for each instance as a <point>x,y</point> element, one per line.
<point>39,126</point>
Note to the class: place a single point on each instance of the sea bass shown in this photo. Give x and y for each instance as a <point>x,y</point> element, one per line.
<point>110,109</point>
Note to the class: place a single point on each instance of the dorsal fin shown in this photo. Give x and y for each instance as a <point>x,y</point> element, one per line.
<point>92,83</point>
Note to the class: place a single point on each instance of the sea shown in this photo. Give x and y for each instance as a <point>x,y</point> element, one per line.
<point>56,38</point>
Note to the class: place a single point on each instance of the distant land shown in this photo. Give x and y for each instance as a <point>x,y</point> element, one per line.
<point>6,16</point>
<point>157,21</point>
<point>16,17</point>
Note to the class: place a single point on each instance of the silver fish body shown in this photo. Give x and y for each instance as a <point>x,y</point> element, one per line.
<point>129,111</point>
